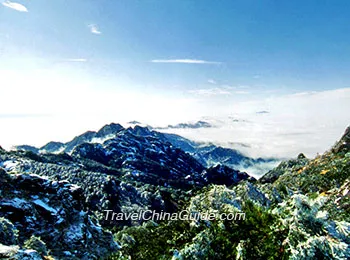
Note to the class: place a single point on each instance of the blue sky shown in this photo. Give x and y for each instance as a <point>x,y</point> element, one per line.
<point>296,44</point>
<point>197,57</point>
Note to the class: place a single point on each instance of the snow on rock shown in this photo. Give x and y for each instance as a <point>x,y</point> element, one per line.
<point>53,211</point>
<point>9,165</point>
<point>45,206</point>
<point>15,253</point>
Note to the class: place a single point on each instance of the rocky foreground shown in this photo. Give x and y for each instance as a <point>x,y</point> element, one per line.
<point>51,205</point>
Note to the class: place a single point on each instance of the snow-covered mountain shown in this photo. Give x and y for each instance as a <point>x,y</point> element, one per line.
<point>207,154</point>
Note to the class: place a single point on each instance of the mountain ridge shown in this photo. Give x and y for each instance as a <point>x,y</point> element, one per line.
<point>207,154</point>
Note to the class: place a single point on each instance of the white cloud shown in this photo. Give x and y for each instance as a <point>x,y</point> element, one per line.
<point>242,92</point>
<point>15,6</point>
<point>307,122</point>
<point>24,115</point>
<point>187,61</point>
<point>78,101</point>
<point>76,60</point>
<point>303,122</point>
<point>211,81</point>
<point>210,92</point>
<point>223,90</point>
<point>243,87</point>
<point>306,93</point>
<point>94,29</point>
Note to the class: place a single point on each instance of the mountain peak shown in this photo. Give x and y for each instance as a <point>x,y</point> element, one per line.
<point>344,143</point>
<point>109,129</point>
<point>52,146</point>
<point>139,130</point>
<point>134,122</point>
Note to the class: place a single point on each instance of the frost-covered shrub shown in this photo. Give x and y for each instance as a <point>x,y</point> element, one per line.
<point>37,244</point>
<point>8,233</point>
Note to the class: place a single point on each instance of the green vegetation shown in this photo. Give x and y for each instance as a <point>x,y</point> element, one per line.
<point>37,244</point>
<point>301,212</point>
<point>261,234</point>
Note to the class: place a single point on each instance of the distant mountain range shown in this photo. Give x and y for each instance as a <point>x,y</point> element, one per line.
<point>196,125</point>
<point>206,154</point>
<point>89,136</point>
